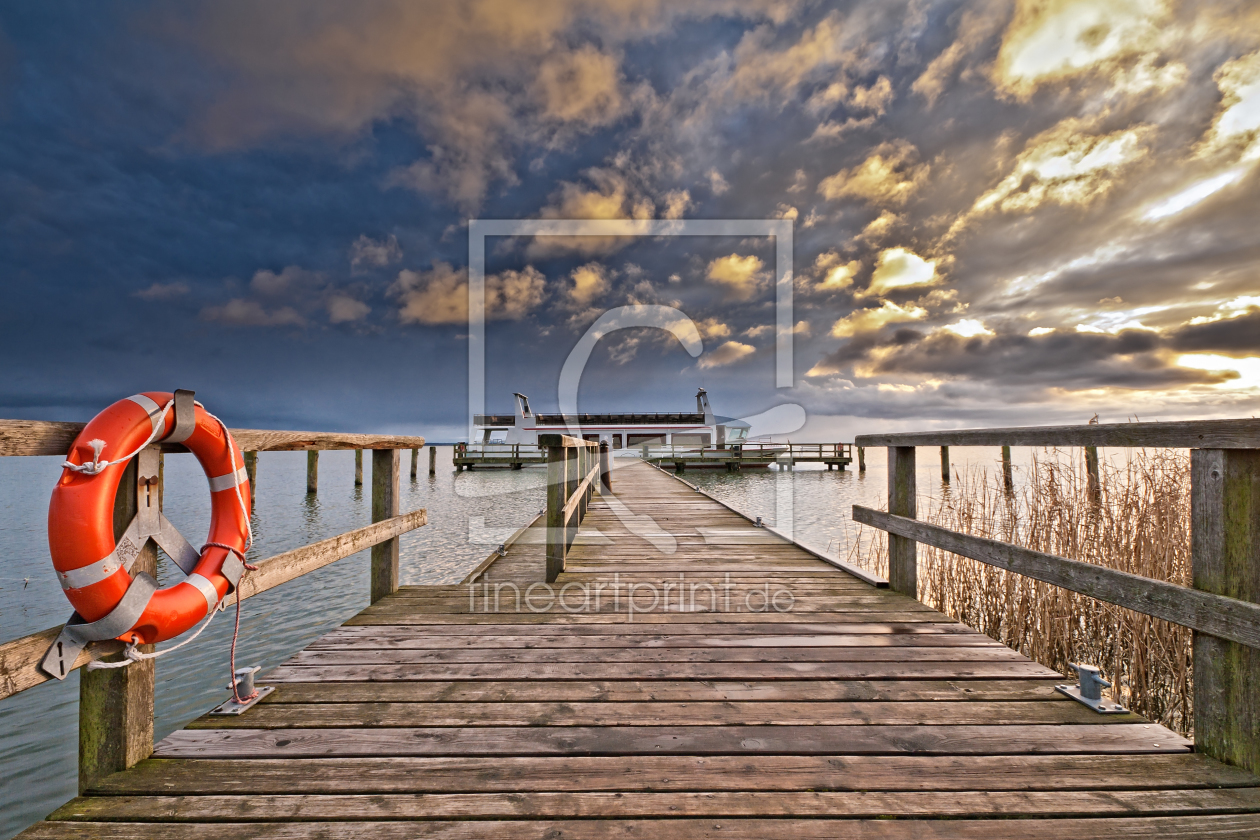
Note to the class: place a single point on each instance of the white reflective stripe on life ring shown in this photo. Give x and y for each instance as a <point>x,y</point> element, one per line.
<point>207,590</point>
<point>228,481</point>
<point>154,410</point>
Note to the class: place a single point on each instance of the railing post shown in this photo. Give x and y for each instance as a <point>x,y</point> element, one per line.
<point>415,461</point>
<point>945,464</point>
<point>386,465</point>
<point>1093,480</point>
<point>902,552</point>
<point>312,471</point>
<point>1008,481</point>
<point>432,460</point>
<point>605,474</point>
<point>1225,560</point>
<point>251,472</point>
<point>358,467</point>
<point>557,492</point>
<point>116,705</point>
<point>861,458</point>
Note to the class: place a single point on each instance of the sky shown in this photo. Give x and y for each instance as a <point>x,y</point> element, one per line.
<point>1003,213</point>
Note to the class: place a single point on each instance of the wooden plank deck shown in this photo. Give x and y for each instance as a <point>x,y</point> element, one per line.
<point>854,713</point>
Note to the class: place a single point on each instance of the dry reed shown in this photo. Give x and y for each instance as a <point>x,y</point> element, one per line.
<point>1141,525</point>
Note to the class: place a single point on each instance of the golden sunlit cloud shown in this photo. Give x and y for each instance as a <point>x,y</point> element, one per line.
<point>1036,331</point>
<point>728,353</point>
<point>1194,194</point>
<point>1055,39</point>
<point>835,274</point>
<point>440,295</point>
<point>870,320</point>
<point>589,282</point>
<point>899,268</point>
<point>713,328</point>
<point>968,328</point>
<point>581,86</point>
<point>1248,370</point>
<point>739,275</point>
<point>1237,124</point>
<point>890,175</point>
<point>1064,165</point>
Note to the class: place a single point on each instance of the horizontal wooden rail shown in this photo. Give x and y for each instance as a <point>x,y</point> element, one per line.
<point>19,658</point>
<point>40,437</point>
<point>1190,434</point>
<point>1217,615</point>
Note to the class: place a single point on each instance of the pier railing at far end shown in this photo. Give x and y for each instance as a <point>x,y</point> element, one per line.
<point>573,475</point>
<point>116,705</point>
<point>1220,607</point>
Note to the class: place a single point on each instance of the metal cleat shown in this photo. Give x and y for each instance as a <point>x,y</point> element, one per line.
<point>1089,690</point>
<point>244,684</point>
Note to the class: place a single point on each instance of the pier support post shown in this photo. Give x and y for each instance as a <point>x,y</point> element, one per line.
<point>385,469</point>
<point>945,464</point>
<point>251,472</point>
<point>1008,480</point>
<point>902,551</point>
<point>432,460</point>
<point>861,458</point>
<point>312,471</point>
<point>1093,481</point>
<point>1225,560</point>
<point>358,468</point>
<point>557,493</point>
<point>415,461</point>
<point>116,705</point>
<point>605,471</point>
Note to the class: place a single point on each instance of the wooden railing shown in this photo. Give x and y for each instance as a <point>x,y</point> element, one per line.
<point>116,705</point>
<point>757,451</point>
<point>1221,606</point>
<point>573,474</point>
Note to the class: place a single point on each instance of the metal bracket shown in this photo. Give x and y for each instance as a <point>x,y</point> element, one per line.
<point>244,682</point>
<point>1089,690</point>
<point>185,417</point>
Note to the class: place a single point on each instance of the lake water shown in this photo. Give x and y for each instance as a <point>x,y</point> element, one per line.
<point>469,514</point>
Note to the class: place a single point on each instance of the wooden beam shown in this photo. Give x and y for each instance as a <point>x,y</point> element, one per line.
<point>1228,618</point>
<point>19,658</point>
<point>1225,560</point>
<point>415,460</point>
<point>312,472</point>
<point>1008,478</point>
<point>1190,434</point>
<point>116,705</point>
<point>902,559</point>
<point>39,437</point>
<point>1093,481</point>
<point>945,464</point>
<point>432,460</point>
<point>385,470</point>
<point>251,472</point>
<point>861,458</point>
<point>557,493</point>
<point>358,468</point>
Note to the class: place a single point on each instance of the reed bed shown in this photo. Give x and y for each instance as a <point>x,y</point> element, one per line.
<point>1140,524</point>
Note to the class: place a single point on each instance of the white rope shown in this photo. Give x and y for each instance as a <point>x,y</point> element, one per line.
<point>97,466</point>
<point>134,654</point>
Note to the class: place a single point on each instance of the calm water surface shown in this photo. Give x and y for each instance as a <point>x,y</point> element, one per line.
<point>469,514</point>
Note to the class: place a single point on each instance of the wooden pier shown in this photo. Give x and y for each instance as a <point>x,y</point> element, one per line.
<point>678,458</point>
<point>686,675</point>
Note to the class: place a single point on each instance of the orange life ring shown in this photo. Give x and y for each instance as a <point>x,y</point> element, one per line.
<point>94,571</point>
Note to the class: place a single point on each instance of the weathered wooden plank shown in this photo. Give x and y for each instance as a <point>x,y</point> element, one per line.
<point>662,713</point>
<point>1227,618</point>
<point>798,804</point>
<point>849,617</point>
<point>681,691</point>
<point>678,627</point>
<point>677,773</point>
<point>39,437</point>
<point>683,740</point>
<point>603,641</point>
<point>661,655</point>
<point>1014,669</point>
<point>19,658</point>
<point>1188,434</point>
<point>1225,560</point>
<point>1210,827</point>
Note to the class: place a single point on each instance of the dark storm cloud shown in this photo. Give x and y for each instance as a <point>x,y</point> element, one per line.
<point>1239,336</point>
